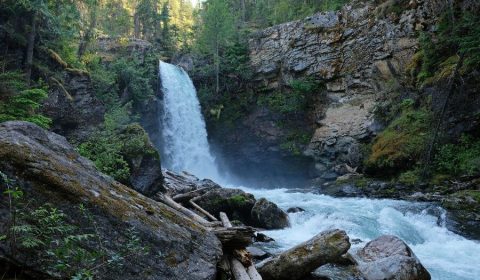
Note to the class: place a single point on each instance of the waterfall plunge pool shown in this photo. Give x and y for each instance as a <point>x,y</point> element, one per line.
<point>446,255</point>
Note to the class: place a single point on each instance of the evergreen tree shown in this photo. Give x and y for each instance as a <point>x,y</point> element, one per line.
<point>217,32</point>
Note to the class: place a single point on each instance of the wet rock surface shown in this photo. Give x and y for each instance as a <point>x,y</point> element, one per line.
<point>388,257</point>
<point>266,214</point>
<point>299,261</point>
<point>75,110</point>
<point>49,170</point>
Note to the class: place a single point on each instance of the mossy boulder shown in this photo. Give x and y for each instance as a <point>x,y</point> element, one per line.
<point>266,214</point>
<point>236,203</point>
<point>401,144</point>
<point>242,206</point>
<point>143,160</point>
<point>47,169</point>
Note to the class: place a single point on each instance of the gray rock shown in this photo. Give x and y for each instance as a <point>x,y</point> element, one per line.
<point>144,161</point>
<point>257,253</point>
<point>49,170</point>
<point>73,107</point>
<point>295,210</point>
<point>266,214</point>
<point>389,258</point>
<point>358,55</point>
<point>236,203</point>
<point>299,261</point>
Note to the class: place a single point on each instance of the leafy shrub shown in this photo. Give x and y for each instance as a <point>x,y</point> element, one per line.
<point>21,102</point>
<point>60,243</point>
<point>402,143</point>
<point>293,100</point>
<point>410,178</point>
<point>114,148</point>
<point>441,50</point>
<point>462,158</point>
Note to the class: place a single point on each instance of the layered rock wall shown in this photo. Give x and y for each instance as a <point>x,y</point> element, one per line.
<point>358,53</point>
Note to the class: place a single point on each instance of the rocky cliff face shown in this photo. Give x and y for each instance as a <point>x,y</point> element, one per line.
<point>75,110</point>
<point>358,53</point>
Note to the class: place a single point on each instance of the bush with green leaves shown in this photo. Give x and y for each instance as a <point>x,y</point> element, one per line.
<point>292,100</point>
<point>458,34</point>
<point>21,102</point>
<point>113,148</point>
<point>462,158</point>
<point>62,246</point>
<point>402,144</point>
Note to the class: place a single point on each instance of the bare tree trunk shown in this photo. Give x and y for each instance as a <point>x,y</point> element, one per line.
<point>244,11</point>
<point>217,68</point>
<point>82,48</point>
<point>30,48</point>
<point>136,26</point>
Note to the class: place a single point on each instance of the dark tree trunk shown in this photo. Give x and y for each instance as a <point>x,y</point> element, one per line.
<point>82,48</point>
<point>30,48</point>
<point>136,26</point>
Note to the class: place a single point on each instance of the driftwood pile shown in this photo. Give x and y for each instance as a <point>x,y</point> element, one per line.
<point>236,258</point>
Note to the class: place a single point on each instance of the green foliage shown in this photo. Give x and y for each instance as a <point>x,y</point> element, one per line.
<point>457,34</point>
<point>131,78</point>
<point>114,148</point>
<point>402,143</point>
<point>269,12</point>
<point>293,100</point>
<point>462,158</point>
<point>60,244</point>
<point>295,142</point>
<point>21,102</point>
<point>410,177</point>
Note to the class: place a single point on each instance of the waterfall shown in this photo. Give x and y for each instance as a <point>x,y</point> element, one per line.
<point>185,145</point>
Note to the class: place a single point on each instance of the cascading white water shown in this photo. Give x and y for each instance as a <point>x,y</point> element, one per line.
<point>185,143</point>
<point>446,255</point>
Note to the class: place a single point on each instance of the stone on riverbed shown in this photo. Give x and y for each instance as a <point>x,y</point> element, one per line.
<point>389,258</point>
<point>299,261</point>
<point>266,214</point>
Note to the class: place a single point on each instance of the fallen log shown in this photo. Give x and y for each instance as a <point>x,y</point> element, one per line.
<point>225,221</point>
<point>187,212</point>
<point>253,273</point>
<point>203,211</point>
<point>243,256</point>
<point>299,261</point>
<point>185,197</point>
<point>238,270</point>
<point>235,237</point>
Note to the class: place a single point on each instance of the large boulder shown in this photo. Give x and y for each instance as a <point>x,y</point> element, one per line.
<point>266,214</point>
<point>299,261</point>
<point>236,203</point>
<point>389,258</point>
<point>162,243</point>
<point>142,159</point>
<point>242,206</point>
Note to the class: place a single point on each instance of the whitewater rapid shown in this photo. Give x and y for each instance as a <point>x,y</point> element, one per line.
<point>446,255</point>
